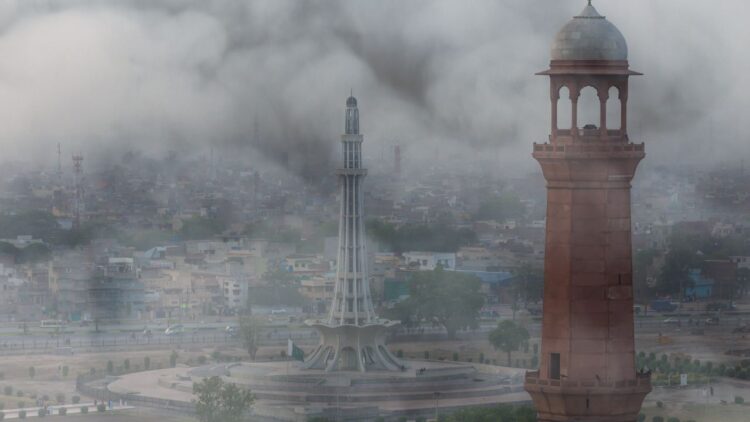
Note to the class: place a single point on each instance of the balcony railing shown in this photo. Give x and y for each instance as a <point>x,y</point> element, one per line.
<point>641,380</point>
<point>584,148</point>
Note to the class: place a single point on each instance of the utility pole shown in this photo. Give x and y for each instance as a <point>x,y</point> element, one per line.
<point>78,198</point>
<point>437,402</point>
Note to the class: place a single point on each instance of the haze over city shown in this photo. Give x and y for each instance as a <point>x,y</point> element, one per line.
<point>374,211</point>
<point>107,77</point>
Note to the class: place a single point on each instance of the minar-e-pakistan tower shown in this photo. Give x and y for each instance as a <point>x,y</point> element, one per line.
<point>353,337</point>
<point>587,367</point>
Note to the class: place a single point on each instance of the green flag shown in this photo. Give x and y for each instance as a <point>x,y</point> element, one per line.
<point>293,351</point>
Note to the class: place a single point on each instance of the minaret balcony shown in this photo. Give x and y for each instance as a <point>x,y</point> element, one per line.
<point>586,135</point>
<point>588,148</point>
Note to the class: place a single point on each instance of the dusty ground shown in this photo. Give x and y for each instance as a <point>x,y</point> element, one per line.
<point>134,415</point>
<point>49,380</point>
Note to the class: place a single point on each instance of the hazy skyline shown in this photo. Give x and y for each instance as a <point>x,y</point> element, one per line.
<point>185,75</point>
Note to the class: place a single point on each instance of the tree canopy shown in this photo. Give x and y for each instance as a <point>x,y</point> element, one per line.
<point>508,337</point>
<point>420,237</point>
<point>36,252</point>
<point>447,298</point>
<point>218,401</point>
<point>500,208</point>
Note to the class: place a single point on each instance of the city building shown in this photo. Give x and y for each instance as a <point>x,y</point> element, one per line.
<point>428,261</point>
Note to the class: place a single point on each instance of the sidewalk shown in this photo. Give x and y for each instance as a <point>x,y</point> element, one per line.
<point>72,409</point>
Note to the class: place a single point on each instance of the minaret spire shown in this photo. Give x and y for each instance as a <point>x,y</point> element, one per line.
<point>352,336</point>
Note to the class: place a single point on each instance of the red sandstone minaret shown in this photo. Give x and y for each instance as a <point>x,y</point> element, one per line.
<point>587,366</point>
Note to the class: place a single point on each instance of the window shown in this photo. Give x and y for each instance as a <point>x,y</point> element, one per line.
<point>554,366</point>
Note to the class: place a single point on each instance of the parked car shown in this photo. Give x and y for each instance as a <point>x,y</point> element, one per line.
<point>174,330</point>
<point>720,306</point>
<point>712,321</point>
<point>663,305</point>
<point>671,321</point>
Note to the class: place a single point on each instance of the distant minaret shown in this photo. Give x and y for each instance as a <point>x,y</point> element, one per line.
<point>352,337</point>
<point>59,163</point>
<point>78,187</point>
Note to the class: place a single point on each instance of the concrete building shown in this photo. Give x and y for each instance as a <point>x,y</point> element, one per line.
<point>428,261</point>
<point>587,364</point>
<point>235,292</point>
<point>106,288</point>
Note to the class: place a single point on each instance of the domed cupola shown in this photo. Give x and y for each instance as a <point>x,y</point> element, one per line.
<point>589,36</point>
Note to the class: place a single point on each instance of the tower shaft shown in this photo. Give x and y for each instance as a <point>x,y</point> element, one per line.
<point>352,303</point>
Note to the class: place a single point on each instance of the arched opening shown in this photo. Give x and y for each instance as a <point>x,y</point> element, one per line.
<point>564,109</point>
<point>588,109</point>
<point>614,108</point>
<point>348,360</point>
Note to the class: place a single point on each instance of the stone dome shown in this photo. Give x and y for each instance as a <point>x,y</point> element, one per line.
<point>589,36</point>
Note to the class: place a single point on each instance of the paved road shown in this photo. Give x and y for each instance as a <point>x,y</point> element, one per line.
<point>275,333</point>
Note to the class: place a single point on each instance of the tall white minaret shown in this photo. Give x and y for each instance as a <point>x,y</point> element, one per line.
<point>352,303</point>
<point>352,337</point>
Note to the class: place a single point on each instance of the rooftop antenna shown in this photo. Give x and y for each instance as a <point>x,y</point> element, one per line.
<point>78,199</point>
<point>59,162</point>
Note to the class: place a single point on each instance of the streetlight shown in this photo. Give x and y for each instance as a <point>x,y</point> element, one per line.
<point>437,401</point>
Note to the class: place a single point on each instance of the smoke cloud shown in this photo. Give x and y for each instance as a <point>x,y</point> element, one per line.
<point>268,78</point>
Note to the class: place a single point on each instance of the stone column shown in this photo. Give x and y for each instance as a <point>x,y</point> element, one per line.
<point>603,97</point>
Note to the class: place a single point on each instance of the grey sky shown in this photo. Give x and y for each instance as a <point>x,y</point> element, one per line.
<point>160,75</point>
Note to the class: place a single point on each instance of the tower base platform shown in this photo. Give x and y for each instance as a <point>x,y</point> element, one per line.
<point>286,392</point>
<point>353,348</point>
<point>584,401</point>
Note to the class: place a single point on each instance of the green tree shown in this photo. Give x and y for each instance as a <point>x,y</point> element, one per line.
<point>530,282</point>
<point>642,261</point>
<point>432,237</point>
<point>500,208</point>
<point>218,401</point>
<point>508,337</point>
<point>447,298</point>
<point>250,334</point>
<point>673,278</point>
